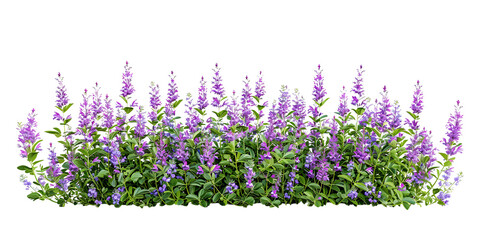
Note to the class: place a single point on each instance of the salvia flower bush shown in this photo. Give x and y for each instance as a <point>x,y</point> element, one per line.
<point>239,149</point>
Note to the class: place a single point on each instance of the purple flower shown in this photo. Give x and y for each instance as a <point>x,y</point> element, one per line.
<point>202,95</point>
<point>318,90</point>
<point>182,154</point>
<point>54,168</point>
<point>283,107</point>
<point>127,88</point>
<point>27,184</point>
<point>85,115</point>
<point>333,154</point>
<point>28,135</point>
<point>249,177</point>
<point>161,153</point>
<point>260,87</point>
<point>454,127</point>
<point>358,99</point>
<point>247,102</point>
<point>92,192</point>
<point>192,119</point>
<point>116,198</point>
<point>382,116</point>
<point>395,120</point>
<point>108,113</point>
<point>98,202</point>
<point>140,130</point>
<point>217,88</point>
<point>62,98</point>
<point>342,107</point>
<point>96,107</point>
<point>172,96</point>
<point>360,151</point>
<point>154,101</point>
<point>230,187</point>
<point>199,170</point>
<point>417,105</point>
<point>272,123</point>
<point>299,111</point>
<point>209,155</point>
<point>353,194</point>
<point>443,197</point>
<point>233,110</point>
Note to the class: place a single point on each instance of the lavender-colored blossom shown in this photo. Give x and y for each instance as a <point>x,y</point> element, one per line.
<point>230,187</point>
<point>209,155</point>
<point>140,130</point>
<point>272,123</point>
<point>260,87</point>
<point>353,194</point>
<point>358,99</point>
<point>161,153</point>
<point>92,192</point>
<point>27,184</point>
<point>233,110</point>
<point>54,168</point>
<point>62,97</point>
<point>182,153</point>
<point>442,196</point>
<point>172,96</point>
<point>283,107</point>
<point>343,106</point>
<point>217,88</point>
<point>395,120</point>
<point>85,115</point>
<point>98,202</point>
<point>383,113</point>
<point>246,103</point>
<point>127,87</point>
<point>318,89</point>
<point>116,198</point>
<point>108,119</point>
<point>417,105</point>
<point>249,177</point>
<point>193,118</point>
<point>202,101</point>
<point>299,110</point>
<point>96,107</point>
<point>333,154</point>
<point>360,151</point>
<point>454,127</point>
<point>28,135</point>
<point>154,101</point>
<point>199,170</point>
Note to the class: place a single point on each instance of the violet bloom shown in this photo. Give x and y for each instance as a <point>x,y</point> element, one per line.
<point>443,197</point>
<point>28,135</point>
<point>299,111</point>
<point>291,183</point>
<point>417,105</point>
<point>161,153</point>
<point>260,87</point>
<point>217,88</point>
<point>318,92</point>
<point>395,120</point>
<point>360,151</point>
<point>270,134</point>
<point>249,177</point>
<point>27,184</point>
<point>230,187</point>
<point>358,99</point>
<point>140,130</point>
<point>92,192</point>
<point>342,107</point>
<point>172,96</point>
<point>154,101</point>
<point>233,110</point>
<point>54,168</point>
<point>454,127</point>
<point>383,114</point>
<point>426,147</point>
<point>182,153</point>
<point>333,154</point>
<point>246,103</point>
<point>209,155</point>
<point>127,88</point>
<point>116,198</point>
<point>192,119</point>
<point>108,119</point>
<point>62,98</point>
<point>283,107</point>
<point>84,116</point>
<point>353,194</point>
<point>96,107</point>
<point>202,102</point>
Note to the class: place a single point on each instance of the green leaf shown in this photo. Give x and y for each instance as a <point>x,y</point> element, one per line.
<point>444,155</point>
<point>216,197</point>
<point>361,186</point>
<point>34,195</point>
<point>176,103</point>
<point>79,163</point>
<point>135,176</point>
<point>32,156</point>
<point>244,158</point>
<point>409,200</point>
<point>192,197</point>
<point>289,155</point>
<point>447,164</point>
<point>250,201</point>
<point>128,109</point>
<point>406,205</point>
<point>346,177</point>
<point>103,173</point>
<point>265,201</point>
<point>314,186</point>
<point>222,114</point>
<point>23,168</point>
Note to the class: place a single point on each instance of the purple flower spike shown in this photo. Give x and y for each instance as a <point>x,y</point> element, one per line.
<point>249,177</point>
<point>343,108</point>
<point>28,135</point>
<point>299,110</point>
<point>62,98</point>
<point>454,127</point>
<point>202,95</point>
<point>108,113</point>
<point>358,99</point>
<point>318,89</point>
<point>217,88</point>
<point>283,107</point>
<point>260,87</point>
<point>417,105</point>
<point>383,113</point>
<point>96,106</point>
<point>127,88</point>
<point>247,102</point>
<point>155,96</point>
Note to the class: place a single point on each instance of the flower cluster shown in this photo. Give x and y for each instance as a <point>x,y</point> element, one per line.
<point>227,151</point>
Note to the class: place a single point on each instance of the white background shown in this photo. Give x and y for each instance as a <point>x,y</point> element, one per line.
<point>435,42</point>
